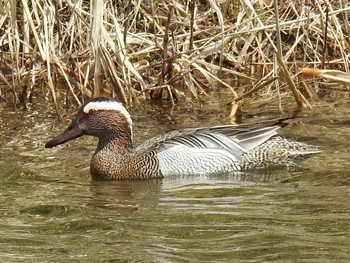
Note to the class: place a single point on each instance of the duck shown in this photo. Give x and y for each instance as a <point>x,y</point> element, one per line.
<point>192,151</point>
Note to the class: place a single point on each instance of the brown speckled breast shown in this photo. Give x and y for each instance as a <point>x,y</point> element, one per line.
<point>110,166</point>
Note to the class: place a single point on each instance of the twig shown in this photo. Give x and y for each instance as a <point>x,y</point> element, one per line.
<point>283,67</point>
<point>255,88</point>
<point>324,51</point>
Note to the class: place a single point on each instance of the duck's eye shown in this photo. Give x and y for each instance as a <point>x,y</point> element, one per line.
<point>92,111</point>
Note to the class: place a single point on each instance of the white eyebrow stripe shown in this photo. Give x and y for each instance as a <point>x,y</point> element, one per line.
<point>108,105</point>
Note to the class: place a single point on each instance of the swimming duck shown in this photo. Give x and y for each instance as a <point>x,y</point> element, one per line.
<point>210,150</point>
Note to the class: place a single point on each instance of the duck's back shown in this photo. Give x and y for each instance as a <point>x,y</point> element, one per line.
<point>225,149</point>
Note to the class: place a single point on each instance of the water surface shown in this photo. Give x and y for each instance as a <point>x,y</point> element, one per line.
<point>53,212</point>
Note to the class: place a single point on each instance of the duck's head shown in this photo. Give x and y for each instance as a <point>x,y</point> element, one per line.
<point>105,118</point>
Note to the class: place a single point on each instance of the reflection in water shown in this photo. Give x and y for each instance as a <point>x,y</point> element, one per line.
<point>126,196</point>
<point>52,210</point>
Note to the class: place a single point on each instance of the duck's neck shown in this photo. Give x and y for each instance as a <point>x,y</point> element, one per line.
<point>109,156</point>
<point>117,143</point>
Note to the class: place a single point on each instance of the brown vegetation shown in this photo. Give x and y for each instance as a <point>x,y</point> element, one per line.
<point>138,50</point>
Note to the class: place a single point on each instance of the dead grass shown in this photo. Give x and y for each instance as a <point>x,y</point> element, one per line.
<point>175,50</point>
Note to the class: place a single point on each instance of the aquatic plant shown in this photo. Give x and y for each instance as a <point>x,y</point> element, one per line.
<point>140,50</point>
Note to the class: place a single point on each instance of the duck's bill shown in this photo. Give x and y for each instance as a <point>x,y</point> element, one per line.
<point>71,133</point>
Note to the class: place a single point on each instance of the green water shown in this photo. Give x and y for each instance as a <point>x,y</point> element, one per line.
<point>51,210</point>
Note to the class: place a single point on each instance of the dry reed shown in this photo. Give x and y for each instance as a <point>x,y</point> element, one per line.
<point>137,50</point>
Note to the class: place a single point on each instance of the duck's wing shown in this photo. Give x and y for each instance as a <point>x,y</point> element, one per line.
<point>235,139</point>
